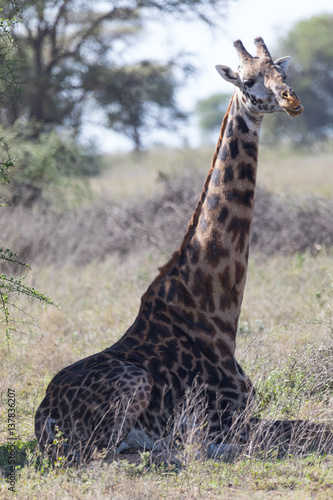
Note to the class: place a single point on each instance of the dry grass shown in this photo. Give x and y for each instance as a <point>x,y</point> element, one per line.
<point>284,342</point>
<point>282,224</point>
<point>255,479</point>
<point>134,175</point>
<point>296,172</point>
<point>282,312</point>
<point>305,171</point>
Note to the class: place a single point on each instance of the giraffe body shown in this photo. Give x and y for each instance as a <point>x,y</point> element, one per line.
<point>185,331</point>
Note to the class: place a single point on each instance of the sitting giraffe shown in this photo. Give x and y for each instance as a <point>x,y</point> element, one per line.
<point>184,334</point>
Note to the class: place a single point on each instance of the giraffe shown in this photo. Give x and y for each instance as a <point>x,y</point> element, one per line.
<point>185,331</point>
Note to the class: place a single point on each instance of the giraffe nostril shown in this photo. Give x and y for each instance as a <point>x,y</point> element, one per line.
<point>285,94</point>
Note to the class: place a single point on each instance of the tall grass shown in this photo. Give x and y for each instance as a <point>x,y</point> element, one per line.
<point>284,343</point>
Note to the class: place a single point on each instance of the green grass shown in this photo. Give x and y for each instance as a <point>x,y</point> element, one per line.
<point>301,478</point>
<point>284,342</point>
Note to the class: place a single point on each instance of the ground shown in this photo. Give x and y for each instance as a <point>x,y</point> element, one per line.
<point>285,343</point>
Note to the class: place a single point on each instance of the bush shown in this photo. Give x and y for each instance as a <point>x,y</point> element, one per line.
<point>45,161</point>
<point>305,375</point>
<point>104,228</point>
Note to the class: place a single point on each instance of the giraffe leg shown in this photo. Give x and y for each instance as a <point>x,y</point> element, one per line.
<point>94,407</point>
<point>234,409</point>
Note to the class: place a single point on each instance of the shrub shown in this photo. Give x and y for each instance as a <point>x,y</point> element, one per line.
<point>45,161</point>
<point>305,374</point>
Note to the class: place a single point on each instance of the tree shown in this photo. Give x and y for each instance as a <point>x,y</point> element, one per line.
<point>71,48</point>
<point>310,45</point>
<point>147,102</point>
<point>10,287</point>
<point>9,88</point>
<point>211,111</point>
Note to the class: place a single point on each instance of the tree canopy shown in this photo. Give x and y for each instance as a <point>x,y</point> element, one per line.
<point>74,51</point>
<point>10,288</point>
<point>310,44</point>
<point>211,111</point>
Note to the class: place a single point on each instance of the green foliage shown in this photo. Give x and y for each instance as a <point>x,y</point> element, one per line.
<point>10,287</point>
<point>6,164</point>
<point>9,86</point>
<point>45,160</point>
<point>211,111</point>
<point>137,97</point>
<point>283,389</point>
<point>68,47</point>
<point>304,375</point>
<point>249,476</point>
<point>310,45</point>
<point>23,451</point>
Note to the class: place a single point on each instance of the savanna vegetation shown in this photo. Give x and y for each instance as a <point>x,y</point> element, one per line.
<point>96,229</point>
<point>105,253</point>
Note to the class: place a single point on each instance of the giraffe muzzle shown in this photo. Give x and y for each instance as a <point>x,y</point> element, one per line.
<point>294,111</point>
<point>290,103</point>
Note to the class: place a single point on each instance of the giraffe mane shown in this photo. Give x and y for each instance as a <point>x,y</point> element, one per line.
<point>195,217</point>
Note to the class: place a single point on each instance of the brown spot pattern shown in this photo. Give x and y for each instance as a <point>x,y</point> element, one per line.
<point>239,228</point>
<point>203,288</point>
<point>214,250</point>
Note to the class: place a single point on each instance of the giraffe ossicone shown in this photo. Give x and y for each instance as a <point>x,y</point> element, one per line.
<point>183,339</point>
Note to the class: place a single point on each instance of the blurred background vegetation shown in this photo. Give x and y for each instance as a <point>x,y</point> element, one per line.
<point>69,57</point>
<point>63,60</point>
<point>310,44</point>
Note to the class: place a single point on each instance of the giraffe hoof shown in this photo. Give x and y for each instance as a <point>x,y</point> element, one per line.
<point>224,451</point>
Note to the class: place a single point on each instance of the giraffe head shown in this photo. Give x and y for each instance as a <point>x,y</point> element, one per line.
<point>261,81</point>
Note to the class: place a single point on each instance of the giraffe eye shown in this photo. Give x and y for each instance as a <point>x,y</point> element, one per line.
<point>248,83</point>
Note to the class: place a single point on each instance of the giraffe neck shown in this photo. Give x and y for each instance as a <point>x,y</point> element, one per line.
<point>204,280</point>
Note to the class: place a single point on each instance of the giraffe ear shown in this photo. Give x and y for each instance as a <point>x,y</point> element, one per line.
<point>283,63</point>
<point>227,73</point>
